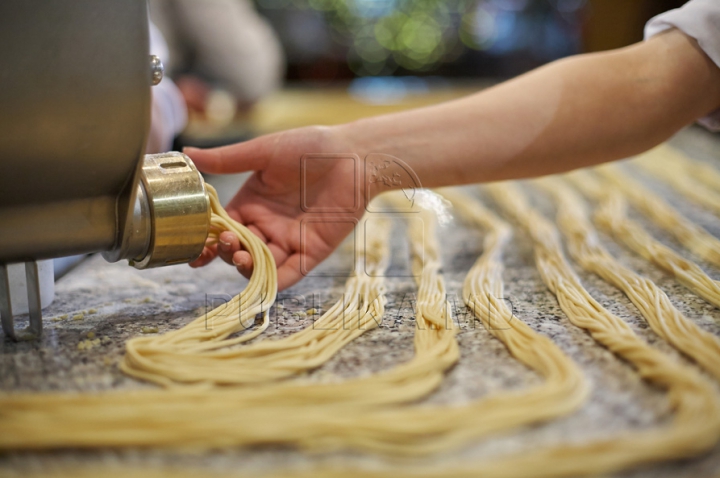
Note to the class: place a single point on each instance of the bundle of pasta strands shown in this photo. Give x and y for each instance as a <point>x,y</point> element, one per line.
<point>433,312</point>
<point>611,215</point>
<point>698,170</point>
<point>696,424</point>
<point>565,388</point>
<point>668,322</point>
<point>144,358</point>
<point>428,429</point>
<point>181,356</point>
<point>305,415</point>
<point>167,360</point>
<point>687,233</point>
<point>680,172</point>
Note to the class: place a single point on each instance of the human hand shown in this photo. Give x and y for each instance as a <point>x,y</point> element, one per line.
<point>284,191</point>
<point>195,92</point>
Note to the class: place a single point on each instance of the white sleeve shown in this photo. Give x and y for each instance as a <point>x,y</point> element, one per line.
<point>699,19</point>
<point>169,113</point>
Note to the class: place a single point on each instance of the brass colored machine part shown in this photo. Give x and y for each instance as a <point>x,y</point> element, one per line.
<point>171,217</point>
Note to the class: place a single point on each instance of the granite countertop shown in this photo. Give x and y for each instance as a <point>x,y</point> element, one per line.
<point>114,302</point>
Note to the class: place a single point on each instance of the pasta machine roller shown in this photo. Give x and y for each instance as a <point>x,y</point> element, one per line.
<point>75,100</point>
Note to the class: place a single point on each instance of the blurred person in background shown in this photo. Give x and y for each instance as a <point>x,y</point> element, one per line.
<point>221,44</point>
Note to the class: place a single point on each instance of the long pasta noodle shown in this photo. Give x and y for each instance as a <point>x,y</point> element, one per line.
<point>682,174</point>
<point>689,234</point>
<point>699,170</point>
<point>611,215</point>
<point>425,429</point>
<point>132,418</point>
<point>565,387</point>
<point>662,316</point>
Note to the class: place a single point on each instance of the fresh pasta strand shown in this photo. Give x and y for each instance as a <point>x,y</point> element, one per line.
<point>689,234</point>
<point>683,174</point>
<point>235,316</point>
<point>586,249</point>
<point>611,215</point>
<point>440,428</point>
<point>699,170</point>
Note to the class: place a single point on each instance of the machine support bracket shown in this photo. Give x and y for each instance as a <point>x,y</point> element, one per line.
<point>32,277</point>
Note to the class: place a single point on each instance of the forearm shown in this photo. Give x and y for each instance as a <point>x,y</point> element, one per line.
<point>572,113</point>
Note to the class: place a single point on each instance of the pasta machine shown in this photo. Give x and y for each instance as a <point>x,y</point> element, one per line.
<point>75,101</point>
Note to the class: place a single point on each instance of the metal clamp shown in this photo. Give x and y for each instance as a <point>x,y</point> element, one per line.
<point>32,276</point>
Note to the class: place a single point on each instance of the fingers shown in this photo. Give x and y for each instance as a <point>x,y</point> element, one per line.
<point>228,245</point>
<point>242,259</point>
<point>228,248</point>
<point>289,272</point>
<point>250,155</point>
<point>208,254</point>
<point>243,263</point>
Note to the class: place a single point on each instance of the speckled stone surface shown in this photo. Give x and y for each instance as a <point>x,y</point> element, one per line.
<point>115,302</point>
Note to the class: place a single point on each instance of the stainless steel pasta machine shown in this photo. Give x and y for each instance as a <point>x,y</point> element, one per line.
<point>75,99</point>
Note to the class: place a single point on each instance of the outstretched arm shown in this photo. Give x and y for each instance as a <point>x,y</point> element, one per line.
<point>572,113</point>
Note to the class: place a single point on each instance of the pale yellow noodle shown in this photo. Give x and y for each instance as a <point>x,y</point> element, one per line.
<point>683,174</point>
<point>701,171</point>
<point>611,215</point>
<point>585,247</point>
<point>439,428</point>
<point>689,234</point>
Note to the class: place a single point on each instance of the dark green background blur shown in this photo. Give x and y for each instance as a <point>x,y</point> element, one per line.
<point>335,40</point>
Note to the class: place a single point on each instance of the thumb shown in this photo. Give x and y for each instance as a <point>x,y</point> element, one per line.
<point>250,155</point>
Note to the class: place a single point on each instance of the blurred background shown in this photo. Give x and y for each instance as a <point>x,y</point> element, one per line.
<point>335,40</point>
<point>344,59</point>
